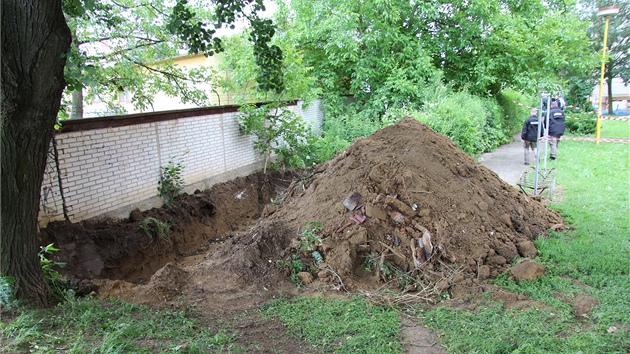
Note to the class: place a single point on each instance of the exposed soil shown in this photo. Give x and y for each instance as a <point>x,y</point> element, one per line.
<point>403,201</point>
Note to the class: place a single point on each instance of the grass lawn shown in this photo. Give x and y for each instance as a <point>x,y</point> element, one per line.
<point>615,129</point>
<point>591,262</point>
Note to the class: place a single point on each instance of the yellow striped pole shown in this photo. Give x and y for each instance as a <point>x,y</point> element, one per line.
<point>606,12</point>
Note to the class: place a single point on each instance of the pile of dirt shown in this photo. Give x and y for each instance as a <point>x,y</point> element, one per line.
<point>410,185</point>
<point>403,208</point>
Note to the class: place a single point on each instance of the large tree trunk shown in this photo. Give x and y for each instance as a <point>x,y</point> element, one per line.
<point>34,38</point>
<point>76,111</point>
<point>609,82</point>
<point>77,105</point>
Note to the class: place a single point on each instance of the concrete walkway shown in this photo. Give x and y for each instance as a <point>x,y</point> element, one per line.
<point>506,161</point>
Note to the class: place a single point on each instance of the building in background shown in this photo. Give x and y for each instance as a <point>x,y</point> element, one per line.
<point>620,93</point>
<point>163,102</point>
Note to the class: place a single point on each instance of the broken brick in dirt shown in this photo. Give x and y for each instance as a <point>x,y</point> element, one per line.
<point>403,208</point>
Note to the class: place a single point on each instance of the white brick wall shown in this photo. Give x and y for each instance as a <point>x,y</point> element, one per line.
<point>110,171</point>
<point>313,114</point>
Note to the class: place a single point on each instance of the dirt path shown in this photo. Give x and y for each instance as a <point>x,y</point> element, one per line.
<point>506,161</point>
<point>418,339</point>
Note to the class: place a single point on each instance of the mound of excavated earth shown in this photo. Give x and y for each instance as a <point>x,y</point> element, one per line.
<point>403,208</point>
<point>408,196</point>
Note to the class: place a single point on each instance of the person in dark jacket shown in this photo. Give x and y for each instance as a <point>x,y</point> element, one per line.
<point>529,134</point>
<point>561,102</point>
<point>556,128</point>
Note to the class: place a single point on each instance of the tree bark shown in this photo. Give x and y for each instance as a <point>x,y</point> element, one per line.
<point>77,105</point>
<point>76,111</point>
<point>609,82</point>
<point>34,38</point>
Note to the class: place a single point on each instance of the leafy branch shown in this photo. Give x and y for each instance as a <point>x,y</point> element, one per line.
<point>277,129</point>
<point>171,181</point>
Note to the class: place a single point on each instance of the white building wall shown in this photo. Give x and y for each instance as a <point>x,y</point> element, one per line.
<point>620,91</point>
<point>312,114</point>
<point>111,171</point>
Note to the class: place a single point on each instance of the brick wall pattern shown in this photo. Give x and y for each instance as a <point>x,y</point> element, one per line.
<point>110,171</point>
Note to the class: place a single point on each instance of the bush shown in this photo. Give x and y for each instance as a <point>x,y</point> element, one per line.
<point>473,123</point>
<point>328,145</point>
<point>497,130</point>
<point>277,130</point>
<point>338,134</point>
<point>318,149</point>
<point>350,126</point>
<point>514,115</point>
<point>581,123</point>
<point>579,91</point>
<point>171,181</point>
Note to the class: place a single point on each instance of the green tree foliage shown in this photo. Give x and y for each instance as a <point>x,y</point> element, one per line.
<point>278,131</point>
<point>128,46</point>
<point>386,52</point>
<point>239,61</point>
<point>487,46</point>
<point>379,61</point>
<point>362,49</point>
<point>183,23</point>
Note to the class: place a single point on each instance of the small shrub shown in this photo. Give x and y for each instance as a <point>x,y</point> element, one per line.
<point>309,239</point>
<point>55,280</point>
<point>277,130</point>
<point>7,297</point>
<point>323,148</point>
<point>581,123</point>
<point>157,230</point>
<point>294,265</point>
<point>171,181</point>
